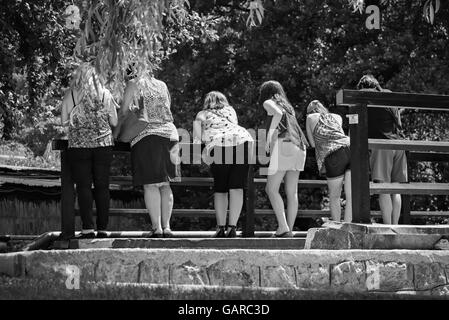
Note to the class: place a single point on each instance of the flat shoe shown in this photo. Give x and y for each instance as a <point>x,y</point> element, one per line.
<point>286,234</point>
<point>167,233</point>
<point>156,235</point>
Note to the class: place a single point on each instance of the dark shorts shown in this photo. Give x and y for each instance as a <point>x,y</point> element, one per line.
<point>231,172</point>
<point>338,162</point>
<point>155,160</point>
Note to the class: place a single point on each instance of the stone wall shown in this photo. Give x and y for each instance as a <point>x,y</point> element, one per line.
<point>398,271</point>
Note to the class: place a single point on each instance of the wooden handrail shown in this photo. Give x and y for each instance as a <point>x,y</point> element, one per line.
<point>409,145</point>
<point>392,99</point>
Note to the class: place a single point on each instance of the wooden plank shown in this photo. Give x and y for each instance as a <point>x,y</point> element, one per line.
<point>207,182</point>
<point>309,213</point>
<point>208,212</point>
<point>410,145</point>
<point>393,99</point>
<point>425,188</point>
<point>31,182</point>
<point>428,156</point>
<point>359,164</point>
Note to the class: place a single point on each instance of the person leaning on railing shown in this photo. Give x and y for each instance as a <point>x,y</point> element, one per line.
<point>326,135</point>
<point>386,165</point>
<point>229,148</point>
<point>287,146</point>
<point>154,150</point>
<point>89,110</point>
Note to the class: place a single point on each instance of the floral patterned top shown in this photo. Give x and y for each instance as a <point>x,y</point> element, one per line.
<point>155,109</point>
<point>329,137</point>
<point>220,128</point>
<point>89,122</point>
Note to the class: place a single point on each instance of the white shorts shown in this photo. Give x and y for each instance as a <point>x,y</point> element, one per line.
<point>286,156</point>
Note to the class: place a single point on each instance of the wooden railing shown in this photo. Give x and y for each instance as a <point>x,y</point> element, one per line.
<point>68,211</point>
<point>358,102</point>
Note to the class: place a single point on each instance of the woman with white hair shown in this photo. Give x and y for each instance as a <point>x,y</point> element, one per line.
<point>325,133</point>
<point>89,111</point>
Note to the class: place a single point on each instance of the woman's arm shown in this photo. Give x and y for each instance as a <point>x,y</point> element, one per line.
<point>127,97</point>
<point>272,110</point>
<point>197,128</point>
<point>124,107</point>
<point>309,129</point>
<point>66,107</point>
<point>113,118</point>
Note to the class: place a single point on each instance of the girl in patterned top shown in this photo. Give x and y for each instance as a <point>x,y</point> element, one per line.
<point>228,147</point>
<point>333,156</point>
<point>154,152</point>
<point>89,111</point>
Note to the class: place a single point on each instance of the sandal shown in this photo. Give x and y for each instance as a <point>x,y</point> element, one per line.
<point>286,234</point>
<point>167,233</point>
<point>155,235</point>
<point>220,233</point>
<point>232,232</point>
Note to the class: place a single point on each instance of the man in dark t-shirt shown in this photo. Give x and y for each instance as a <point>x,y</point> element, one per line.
<point>386,165</point>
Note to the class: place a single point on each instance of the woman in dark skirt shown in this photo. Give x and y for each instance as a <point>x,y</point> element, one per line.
<point>154,152</point>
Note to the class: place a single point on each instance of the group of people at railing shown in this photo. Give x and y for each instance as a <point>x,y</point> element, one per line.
<point>145,120</point>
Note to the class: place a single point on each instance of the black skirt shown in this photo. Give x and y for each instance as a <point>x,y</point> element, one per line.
<point>155,159</point>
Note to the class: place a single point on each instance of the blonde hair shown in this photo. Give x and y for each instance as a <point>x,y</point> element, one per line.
<point>316,107</point>
<point>90,84</point>
<point>215,100</point>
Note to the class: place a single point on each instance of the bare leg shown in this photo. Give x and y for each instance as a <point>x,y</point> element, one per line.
<point>152,197</point>
<point>348,207</point>
<point>386,207</point>
<point>396,211</point>
<point>291,191</point>
<point>221,207</point>
<point>166,205</point>
<point>272,189</point>
<point>235,205</point>
<point>334,186</point>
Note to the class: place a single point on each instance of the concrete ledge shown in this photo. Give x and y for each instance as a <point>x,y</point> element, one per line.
<point>395,271</point>
<point>335,236</point>
<point>232,243</point>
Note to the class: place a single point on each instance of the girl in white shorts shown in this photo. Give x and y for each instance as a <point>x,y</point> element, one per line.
<point>287,145</point>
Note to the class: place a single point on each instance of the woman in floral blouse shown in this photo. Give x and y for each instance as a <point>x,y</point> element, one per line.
<point>154,151</point>
<point>89,111</point>
<point>228,146</point>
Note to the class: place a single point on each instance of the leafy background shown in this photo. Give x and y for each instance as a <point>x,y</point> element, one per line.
<point>313,48</point>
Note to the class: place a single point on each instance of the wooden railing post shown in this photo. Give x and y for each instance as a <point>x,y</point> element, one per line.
<point>248,223</point>
<point>406,199</point>
<point>358,129</point>
<point>67,199</point>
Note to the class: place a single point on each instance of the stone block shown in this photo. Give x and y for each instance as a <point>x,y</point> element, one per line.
<point>310,276</point>
<point>429,276</point>
<point>442,291</point>
<point>331,239</point>
<point>188,273</point>
<point>349,276</point>
<point>117,270</point>
<point>154,272</point>
<point>278,276</point>
<point>233,272</point>
<point>389,276</point>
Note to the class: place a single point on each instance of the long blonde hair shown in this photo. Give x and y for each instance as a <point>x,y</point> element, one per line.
<point>89,83</point>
